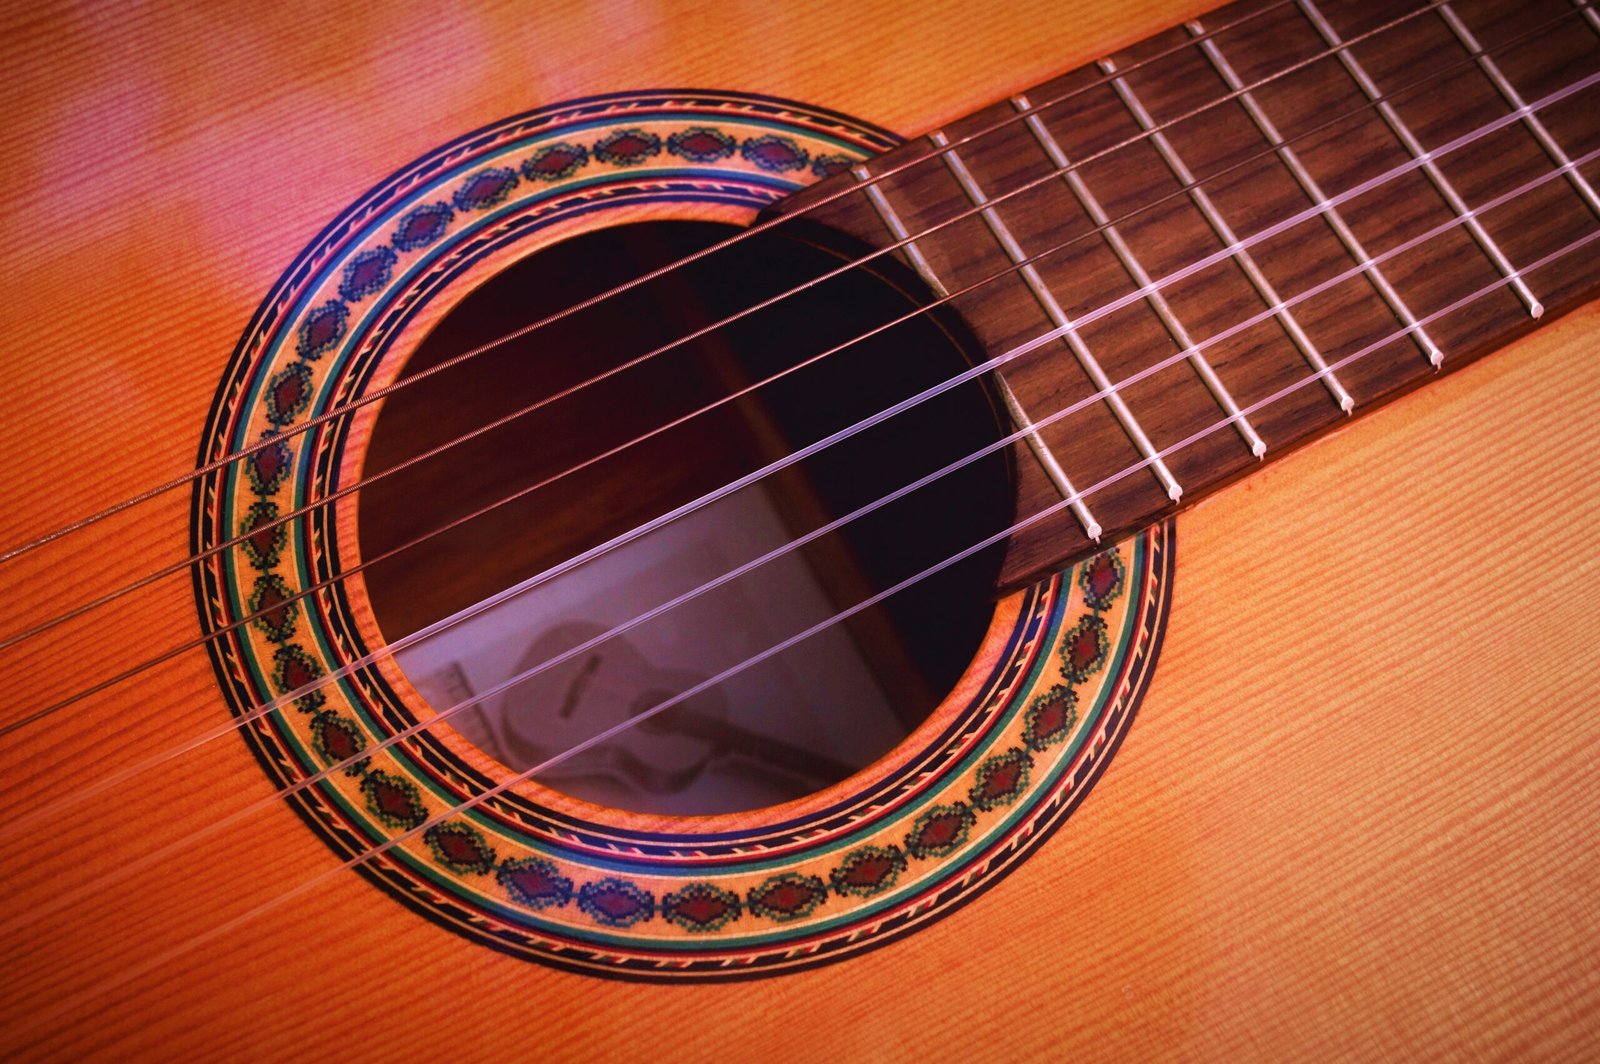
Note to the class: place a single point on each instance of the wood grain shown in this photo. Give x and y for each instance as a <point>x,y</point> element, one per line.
<point>1356,815</point>
<point>1209,181</point>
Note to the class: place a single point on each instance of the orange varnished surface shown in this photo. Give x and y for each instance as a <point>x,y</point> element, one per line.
<point>1357,813</point>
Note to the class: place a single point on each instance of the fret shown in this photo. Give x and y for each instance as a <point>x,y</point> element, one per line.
<point>1401,130</point>
<point>1041,452</point>
<point>1247,261</point>
<point>1047,459</point>
<point>1169,232</point>
<point>1532,121</point>
<point>1058,317</point>
<point>880,203</point>
<point>1135,261</point>
<point>1588,13</point>
<point>1140,275</point>
<point>1334,216</point>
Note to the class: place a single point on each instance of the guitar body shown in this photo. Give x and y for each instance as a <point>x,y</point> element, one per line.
<point>1356,813</point>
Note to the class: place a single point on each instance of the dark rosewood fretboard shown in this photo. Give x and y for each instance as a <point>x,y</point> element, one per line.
<point>1183,150</point>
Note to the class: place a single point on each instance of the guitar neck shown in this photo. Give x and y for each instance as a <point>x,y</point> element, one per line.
<point>1217,245</point>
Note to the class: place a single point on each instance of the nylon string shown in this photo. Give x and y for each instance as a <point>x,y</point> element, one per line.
<point>348,489</point>
<point>154,857</point>
<point>1223,423</point>
<point>201,938</point>
<point>426,633</point>
<point>1284,224</point>
<point>381,393</point>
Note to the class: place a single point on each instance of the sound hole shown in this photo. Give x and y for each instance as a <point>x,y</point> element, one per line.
<point>779,729</point>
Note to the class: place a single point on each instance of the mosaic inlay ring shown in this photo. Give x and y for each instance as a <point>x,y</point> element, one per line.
<point>999,765</point>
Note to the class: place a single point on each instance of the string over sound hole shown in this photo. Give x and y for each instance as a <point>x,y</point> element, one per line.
<point>564,657</point>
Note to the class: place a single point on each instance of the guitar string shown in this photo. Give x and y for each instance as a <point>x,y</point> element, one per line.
<point>150,858</point>
<point>1330,369</point>
<point>218,463</point>
<point>1137,295</point>
<point>152,963</point>
<point>23,635</point>
<point>371,397</point>
<point>178,649</point>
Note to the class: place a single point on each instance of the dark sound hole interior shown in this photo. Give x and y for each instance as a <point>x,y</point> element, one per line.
<point>593,463</point>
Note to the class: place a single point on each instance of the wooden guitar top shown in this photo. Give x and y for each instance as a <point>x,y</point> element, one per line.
<point>1356,814</point>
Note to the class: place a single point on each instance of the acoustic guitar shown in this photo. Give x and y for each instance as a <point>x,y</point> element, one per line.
<point>611,531</point>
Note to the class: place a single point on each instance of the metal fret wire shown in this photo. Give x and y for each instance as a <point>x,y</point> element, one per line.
<point>876,196</point>
<point>1019,416</point>
<point>1074,339</point>
<point>1347,236</point>
<point>1218,224</point>
<point>194,942</point>
<point>374,396</point>
<point>1508,92</point>
<point>1588,13</point>
<point>1169,154</point>
<point>1118,304</point>
<point>1414,146</point>
<point>1135,269</point>
<point>156,856</point>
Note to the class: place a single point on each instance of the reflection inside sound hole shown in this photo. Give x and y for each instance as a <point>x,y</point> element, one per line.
<point>787,725</point>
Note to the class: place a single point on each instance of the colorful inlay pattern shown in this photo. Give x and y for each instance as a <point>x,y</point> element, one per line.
<point>1006,767</point>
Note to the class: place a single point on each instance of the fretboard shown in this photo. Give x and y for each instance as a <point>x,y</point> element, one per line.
<point>1202,252</point>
